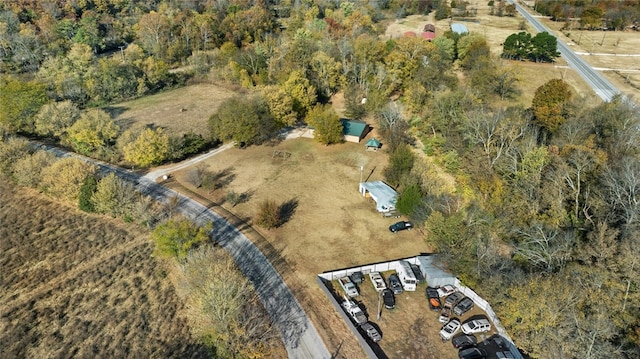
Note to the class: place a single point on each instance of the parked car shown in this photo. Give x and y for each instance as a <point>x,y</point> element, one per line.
<point>348,286</point>
<point>464,341</point>
<point>453,299</point>
<point>476,326</point>
<point>463,306</point>
<point>400,226</point>
<point>388,299</point>
<point>357,277</point>
<point>394,284</point>
<point>445,290</point>
<point>449,329</point>
<point>371,332</point>
<point>472,353</point>
<point>433,298</point>
<point>445,315</point>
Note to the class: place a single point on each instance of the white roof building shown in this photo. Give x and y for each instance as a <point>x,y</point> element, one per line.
<point>382,193</point>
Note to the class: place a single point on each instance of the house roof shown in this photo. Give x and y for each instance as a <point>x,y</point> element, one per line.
<point>372,143</point>
<point>429,27</point>
<point>382,193</point>
<point>459,28</point>
<point>352,127</point>
<point>428,35</point>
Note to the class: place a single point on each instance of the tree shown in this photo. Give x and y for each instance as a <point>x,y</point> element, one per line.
<point>517,46</point>
<point>63,179</point>
<point>246,121</point>
<point>27,170</point>
<point>54,119</point>
<point>280,105</point>
<point>268,215</point>
<point>93,130</point>
<point>544,47</point>
<point>152,31</point>
<point>409,200</point>
<point>113,196</point>
<point>301,91</point>
<point>550,104</point>
<point>87,190</point>
<point>150,147</point>
<point>11,151</point>
<point>175,238</point>
<point>400,164</point>
<point>591,17</point>
<point>20,101</point>
<point>326,123</point>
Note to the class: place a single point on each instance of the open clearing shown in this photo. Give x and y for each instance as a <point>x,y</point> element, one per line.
<point>77,285</point>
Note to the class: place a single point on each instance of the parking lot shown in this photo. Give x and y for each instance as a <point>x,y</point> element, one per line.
<point>411,329</point>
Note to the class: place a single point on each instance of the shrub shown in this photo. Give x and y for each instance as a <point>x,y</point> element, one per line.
<point>268,214</point>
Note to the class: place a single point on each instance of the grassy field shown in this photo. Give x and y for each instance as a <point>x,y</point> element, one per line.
<point>76,285</point>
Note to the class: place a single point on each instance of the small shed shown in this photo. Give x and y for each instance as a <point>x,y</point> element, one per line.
<point>373,144</point>
<point>429,28</point>
<point>429,36</point>
<point>434,276</point>
<point>353,131</point>
<point>382,193</point>
<point>459,28</point>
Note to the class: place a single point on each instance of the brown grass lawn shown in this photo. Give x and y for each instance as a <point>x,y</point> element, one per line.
<point>76,285</point>
<point>179,110</point>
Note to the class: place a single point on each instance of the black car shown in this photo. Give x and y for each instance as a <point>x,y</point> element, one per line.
<point>394,284</point>
<point>472,353</point>
<point>464,341</point>
<point>433,298</point>
<point>357,277</point>
<point>400,226</point>
<point>463,306</point>
<point>388,299</point>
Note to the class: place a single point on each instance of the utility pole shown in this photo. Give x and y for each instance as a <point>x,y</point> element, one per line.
<point>361,169</point>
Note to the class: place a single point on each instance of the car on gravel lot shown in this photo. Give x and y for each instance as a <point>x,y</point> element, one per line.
<point>371,332</point>
<point>464,341</point>
<point>433,298</point>
<point>400,226</point>
<point>445,315</point>
<point>472,353</point>
<point>357,277</point>
<point>394,284</point>
<point>445,290</point>
<point>453,299</point>
<point>463,306</point>
<point>476,326</point>
<point>388,299</point>
<point>449,329</point>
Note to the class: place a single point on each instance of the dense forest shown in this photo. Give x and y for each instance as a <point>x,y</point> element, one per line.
<point>546,214</point>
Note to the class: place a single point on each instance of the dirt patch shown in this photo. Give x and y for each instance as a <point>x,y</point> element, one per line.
<point>78,285</point>
<point>179,110</point>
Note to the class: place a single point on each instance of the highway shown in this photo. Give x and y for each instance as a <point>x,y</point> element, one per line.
<point>600,85</point>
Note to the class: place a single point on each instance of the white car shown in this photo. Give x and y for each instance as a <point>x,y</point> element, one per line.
<point>450,329</point>
<point>476,326</point>
<point>445,290</point>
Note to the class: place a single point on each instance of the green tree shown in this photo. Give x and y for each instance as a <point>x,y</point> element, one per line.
<point>246,121</point>
<point>175,237</point>
<point>301,91</point>
<point>93,130</point>
<point>27,170</point>
<point>400,164</point>
<point>409,200</point>
<point>591,17</point>
<point>326,123</point>
<point>517,46</point>
<point>63,179</point>
<point>551,104</point>
<point>544,47</point>
<point>113,196</point>
<point>20,101</point>
<point>150,147</point>
<point>87,190</point>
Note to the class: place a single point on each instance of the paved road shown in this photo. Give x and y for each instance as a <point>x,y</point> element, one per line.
<point>298,333</point>
<point>159,172</point>
<point>602,87</point>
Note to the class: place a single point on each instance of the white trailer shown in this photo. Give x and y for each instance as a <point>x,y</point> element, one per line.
<point>406,275</point>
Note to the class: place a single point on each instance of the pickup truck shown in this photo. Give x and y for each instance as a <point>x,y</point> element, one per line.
<point>348,286</point>
<point>354,311</point>
<point>377,281</point>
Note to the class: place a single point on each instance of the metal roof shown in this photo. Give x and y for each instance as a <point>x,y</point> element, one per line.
<point>459,28</point>
<point>382,193</point>
<point>353,127</point>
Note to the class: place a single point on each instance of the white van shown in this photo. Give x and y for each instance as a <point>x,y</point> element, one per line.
<point>407,278</point>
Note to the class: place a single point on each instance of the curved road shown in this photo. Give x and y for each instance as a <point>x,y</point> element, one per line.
<point>298,333</point>
<point>602,87</point>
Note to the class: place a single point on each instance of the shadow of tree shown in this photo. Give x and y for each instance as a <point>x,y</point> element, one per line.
<point>223,177</point>
<point>286,210</point>
<point>115,111</point>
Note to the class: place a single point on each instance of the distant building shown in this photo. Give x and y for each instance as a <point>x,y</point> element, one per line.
<point>429,36</point>
<point>373,144</point>
<point>354,131</point>
<point>459,29</point>
<point>382,193</point>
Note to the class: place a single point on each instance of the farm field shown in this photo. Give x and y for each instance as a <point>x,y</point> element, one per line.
<point>75,285</point>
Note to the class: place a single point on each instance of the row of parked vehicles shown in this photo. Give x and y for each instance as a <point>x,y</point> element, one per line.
<point>449,302</point>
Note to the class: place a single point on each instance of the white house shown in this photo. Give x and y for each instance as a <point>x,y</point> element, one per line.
<point>382,193</point>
